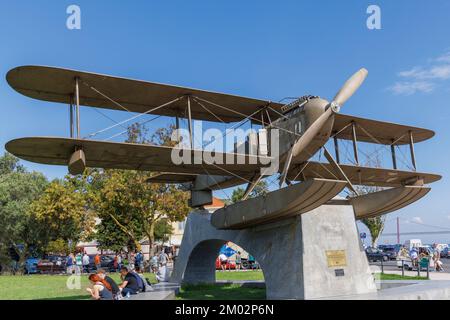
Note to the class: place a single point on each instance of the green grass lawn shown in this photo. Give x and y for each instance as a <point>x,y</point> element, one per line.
<point>51,287</point>
<point>240,275</point>
<point>387,276</point>
<point>221,292</point>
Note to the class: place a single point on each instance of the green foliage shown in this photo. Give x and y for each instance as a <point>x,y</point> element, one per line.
<point>130,209</point>
<point>63,210</point>
<point>375,226</point>
<point>163,230</point>
<point>18,189</point>
<point>58,246</point>
<point>260,189</point>
<point>128,205</point>
<point>9,163</point>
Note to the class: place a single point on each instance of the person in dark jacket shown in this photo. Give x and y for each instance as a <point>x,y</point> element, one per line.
<point>129,283</point>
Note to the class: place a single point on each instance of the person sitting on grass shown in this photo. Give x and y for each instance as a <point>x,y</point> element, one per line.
<point>146,284</point>
<point>129,283</point>
<point>114,287</point>
<point>101,290</point>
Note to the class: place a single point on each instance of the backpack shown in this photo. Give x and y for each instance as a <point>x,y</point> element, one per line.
<point>140,282</point>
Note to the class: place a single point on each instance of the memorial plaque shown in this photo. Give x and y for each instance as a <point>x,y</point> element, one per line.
<point>339,272</point>
<point>336,258</point>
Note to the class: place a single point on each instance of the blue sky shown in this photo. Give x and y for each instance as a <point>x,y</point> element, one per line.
<point>262,49</point>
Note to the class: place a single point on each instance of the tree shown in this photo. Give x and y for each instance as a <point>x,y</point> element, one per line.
<point>260,189</point>
<point>63,209</point>
<point>136,206</point>
<point>132,209</point>
<point>163,230</point>
<point>19,230</point>
<point>375,225</point>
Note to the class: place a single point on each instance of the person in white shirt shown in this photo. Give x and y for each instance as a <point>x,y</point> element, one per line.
<point>86,263</point>
<point>162,275</point>
<point>223,261</point>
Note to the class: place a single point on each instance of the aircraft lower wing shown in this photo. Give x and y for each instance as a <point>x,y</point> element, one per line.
<point>114,155</point>
<point>361,175</point>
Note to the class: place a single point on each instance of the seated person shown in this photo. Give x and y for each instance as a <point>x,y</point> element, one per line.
<point>114,287</point>
<point>146,284</point>
<point>101,290</point>
<point>129,283</point>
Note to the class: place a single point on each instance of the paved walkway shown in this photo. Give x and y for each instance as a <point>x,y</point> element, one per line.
<point>161,291</point>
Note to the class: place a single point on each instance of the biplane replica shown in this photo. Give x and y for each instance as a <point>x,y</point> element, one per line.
<point>305,125</point>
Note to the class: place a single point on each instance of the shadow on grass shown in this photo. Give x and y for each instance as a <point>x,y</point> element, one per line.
<point>220,292</point>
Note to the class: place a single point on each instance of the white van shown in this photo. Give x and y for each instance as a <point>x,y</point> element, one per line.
<point>413,243</point>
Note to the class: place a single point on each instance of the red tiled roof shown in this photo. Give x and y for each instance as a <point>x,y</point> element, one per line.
<point>217,203</point>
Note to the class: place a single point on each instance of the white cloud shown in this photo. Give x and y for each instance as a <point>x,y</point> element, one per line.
<point>444,58</point>
<point>423,79</point>
<point>417,220</point>
<point>441,72</point>
<point>409,88</point>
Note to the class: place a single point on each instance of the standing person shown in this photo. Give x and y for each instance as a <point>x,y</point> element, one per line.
<point>114,287</point>
<point>131,258</point>
<point>101,289</point>
<point>119,260</point>
<point>238,260</point>
<point>163,258</point>
<point>69,263</point>
<point>97,262</point>
<point>437,258</point>
<point>86,263</point>
<point>414,256</point>
<point>115,263</point>
<point>139,261</point>
<point>223,261</point>
<point>154,263</point>
<point>129,283</point>
<point>79,263</point>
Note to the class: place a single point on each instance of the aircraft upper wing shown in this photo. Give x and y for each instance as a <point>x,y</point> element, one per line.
<point>58,85</point>
<point>363,175</point>
<point>115,155</point>
<point>384,132</point>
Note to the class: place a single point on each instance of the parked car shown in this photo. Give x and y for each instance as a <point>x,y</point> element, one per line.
<point>31,266</point>
<point>445,253</point>
<point>374,254</point>
<point>390,250</point>
<point>52,264</point>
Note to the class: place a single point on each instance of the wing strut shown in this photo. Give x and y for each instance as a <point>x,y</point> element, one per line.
<point>254,181</point>
<point>337,168</point>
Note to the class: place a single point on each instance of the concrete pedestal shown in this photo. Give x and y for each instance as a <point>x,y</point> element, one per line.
<point>315,255</point>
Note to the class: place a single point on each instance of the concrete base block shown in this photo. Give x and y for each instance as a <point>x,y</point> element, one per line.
<point>315,255</point>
